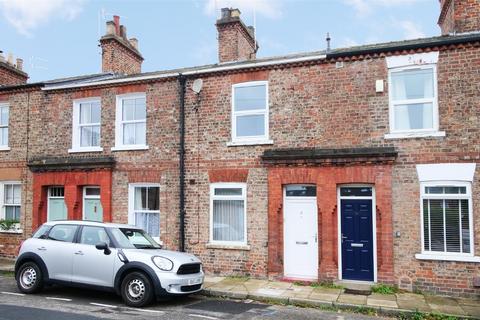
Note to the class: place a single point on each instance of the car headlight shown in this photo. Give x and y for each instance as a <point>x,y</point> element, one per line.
<point>163,263</point>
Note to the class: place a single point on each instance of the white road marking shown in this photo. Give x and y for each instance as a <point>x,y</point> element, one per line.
<point>59,299</point>
<point>145,310</point>
<point>13,293</point>
<point>202,316</point>
<point>103,305</point>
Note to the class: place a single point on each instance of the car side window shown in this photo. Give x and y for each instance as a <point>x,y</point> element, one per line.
<point>94,235</point>
<point>61,232</point>
<point>40,233</point>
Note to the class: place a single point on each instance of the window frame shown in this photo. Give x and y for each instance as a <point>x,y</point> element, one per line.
<point>3,214</point>
<point>5,147</point>
<point>119,146</point>
<point>76,126</point>
<point>228,185</point>
<point>439,255</point>
<point>393,103</point>
<point>234,114</point>
<point>131,205</point>
<point>49,188</point>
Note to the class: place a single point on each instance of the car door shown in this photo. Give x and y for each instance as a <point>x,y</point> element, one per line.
<point>56,250</point>
<point>90,265</point>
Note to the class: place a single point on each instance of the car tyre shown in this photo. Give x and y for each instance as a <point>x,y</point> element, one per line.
<point>29,278</point>
<point>137,290</point>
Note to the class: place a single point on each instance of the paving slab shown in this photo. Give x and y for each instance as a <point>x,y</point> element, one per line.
<point>327,290</point>
<point>412,301</point>
<point>299,292</point>
<point>447,309</point>
<point>440,300</point>
<point>356,299</point>
<point>382,300</point>
<point>468,302</point>
<point>323,296</point>
<point>473,311</point>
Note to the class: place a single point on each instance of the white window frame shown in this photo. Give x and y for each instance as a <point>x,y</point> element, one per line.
<point>229,185</point>
<point>3,204</point>
<point>250,140</point>
<point>131,207</point>
<point>448,256</point>
<point>427,132</point>
<point>76,127</point>
<point>119,146</point>
<point>6,147</point>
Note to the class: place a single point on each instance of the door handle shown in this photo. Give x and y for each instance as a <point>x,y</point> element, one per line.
<point>80,253</point>
<point>316,237</point>
<point>42,249</point>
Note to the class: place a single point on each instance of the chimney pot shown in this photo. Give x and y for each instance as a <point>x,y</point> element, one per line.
<point>116,21</point>
<point>2,58</point>
<point>235,13</point>
<point>225,13</point>
<point>123,32</point>
<point>19,64</point>
<point>10,59</point>
<point>110,28</point>
<point>134,42</point>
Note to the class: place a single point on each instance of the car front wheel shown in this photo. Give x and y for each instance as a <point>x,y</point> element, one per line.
<point>137,290</point>
<point>29,278</point>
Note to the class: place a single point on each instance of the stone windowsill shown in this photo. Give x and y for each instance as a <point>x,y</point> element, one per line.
<point>249,143</point>
<point>410,135</point>
<point>228,246</point>
<point>17,231</point>
<point>440,257</point>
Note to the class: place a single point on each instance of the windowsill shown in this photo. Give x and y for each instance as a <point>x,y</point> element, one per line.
<point>128,148</point>
<point>248,143</point>
<point>440,257</point>
<point>421,134</point>
<point>4,148</point>
<point>92,149</point>
<point>228,246</point>
<point>17,231</point>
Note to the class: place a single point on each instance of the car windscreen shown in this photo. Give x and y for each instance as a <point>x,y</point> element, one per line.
<point>134,238</point>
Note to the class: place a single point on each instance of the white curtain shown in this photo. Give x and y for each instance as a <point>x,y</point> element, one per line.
<point>402,121</point>
<point>428,108</point>
<point>228,220</point>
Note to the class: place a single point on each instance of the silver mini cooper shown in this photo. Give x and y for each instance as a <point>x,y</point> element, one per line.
<point>113,257</point>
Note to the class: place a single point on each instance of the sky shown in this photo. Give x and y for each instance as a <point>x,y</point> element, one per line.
<point>59,38</point>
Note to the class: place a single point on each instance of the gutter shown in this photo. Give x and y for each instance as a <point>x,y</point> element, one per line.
<point>182,80</point>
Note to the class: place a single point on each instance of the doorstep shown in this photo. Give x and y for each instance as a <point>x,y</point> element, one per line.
<point>334,298</point>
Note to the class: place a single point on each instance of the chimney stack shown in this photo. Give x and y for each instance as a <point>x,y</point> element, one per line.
<point>236,41</point>
<point>119,55</point>
<point>11,73</point>
<point>459,16</point>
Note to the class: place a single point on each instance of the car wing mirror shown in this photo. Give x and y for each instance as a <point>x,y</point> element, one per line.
<point>103,246</point>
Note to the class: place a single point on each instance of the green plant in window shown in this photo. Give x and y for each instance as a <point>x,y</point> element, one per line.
<point>8,224</point>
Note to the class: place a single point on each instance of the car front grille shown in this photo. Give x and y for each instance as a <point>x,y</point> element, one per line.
<point>190,288</point>
<point>189,268</point>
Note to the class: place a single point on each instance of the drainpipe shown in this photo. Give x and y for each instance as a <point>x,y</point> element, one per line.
<point>182,82</point>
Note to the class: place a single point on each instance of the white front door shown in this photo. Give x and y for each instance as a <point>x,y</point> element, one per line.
<point>300,229</point>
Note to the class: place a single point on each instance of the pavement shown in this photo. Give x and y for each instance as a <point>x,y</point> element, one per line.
<point>7,265</point>
<point>323,297</point>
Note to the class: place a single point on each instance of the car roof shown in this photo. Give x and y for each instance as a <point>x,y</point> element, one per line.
<point>91,223</point>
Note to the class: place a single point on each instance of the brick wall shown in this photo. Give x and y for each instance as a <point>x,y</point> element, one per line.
<point>459,16</point>
<point>10,75</point>
<point>118,57</point>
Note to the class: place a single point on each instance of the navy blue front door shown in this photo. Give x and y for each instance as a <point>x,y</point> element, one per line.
<point>357,240</point>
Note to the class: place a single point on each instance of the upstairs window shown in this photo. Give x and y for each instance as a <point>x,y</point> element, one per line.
<point>4,117</point>
<point>86,125</point>
<point>131,122</point>
<point>413,99</point>
<point>250,112</point>
<point>447,219</point>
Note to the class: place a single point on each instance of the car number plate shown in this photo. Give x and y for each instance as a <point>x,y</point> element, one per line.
<point>195,281</point>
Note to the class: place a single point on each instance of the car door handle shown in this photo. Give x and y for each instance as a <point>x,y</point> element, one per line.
<point>42,249</point>
<point>80,253</point>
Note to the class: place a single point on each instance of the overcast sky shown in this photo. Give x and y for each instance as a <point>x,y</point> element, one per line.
<point>59,38</point>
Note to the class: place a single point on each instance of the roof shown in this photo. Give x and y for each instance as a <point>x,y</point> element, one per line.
<point>378,48</point>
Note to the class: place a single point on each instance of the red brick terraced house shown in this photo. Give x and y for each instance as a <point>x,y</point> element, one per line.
<point>348,164</point>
